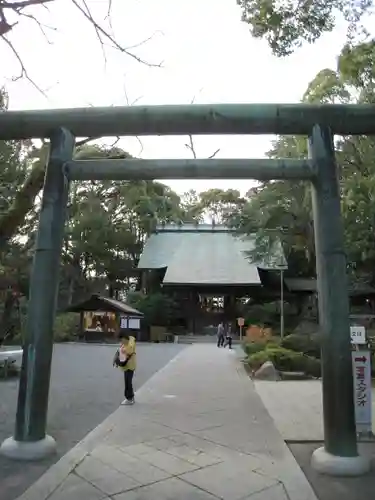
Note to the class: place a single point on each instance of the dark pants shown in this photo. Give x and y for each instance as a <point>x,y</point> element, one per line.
<point>128,379</point>
<point>228,342</point>
<point>220,340</point>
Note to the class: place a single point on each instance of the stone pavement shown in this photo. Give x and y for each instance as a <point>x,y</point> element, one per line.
<point>301,418</point>
<point>198,431</point>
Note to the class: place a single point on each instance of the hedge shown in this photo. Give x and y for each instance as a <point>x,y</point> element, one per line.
<point>286,360</point>
<point>307,344</point>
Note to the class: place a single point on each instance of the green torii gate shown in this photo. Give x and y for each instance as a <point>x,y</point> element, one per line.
<point>319,122</point>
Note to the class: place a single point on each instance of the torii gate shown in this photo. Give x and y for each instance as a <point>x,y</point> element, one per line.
<point>319,122</point>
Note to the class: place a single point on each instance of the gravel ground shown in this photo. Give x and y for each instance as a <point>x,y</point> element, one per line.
<point>85,389</point>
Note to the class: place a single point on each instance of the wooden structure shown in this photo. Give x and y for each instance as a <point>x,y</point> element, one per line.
<point>361,295</point>
<point>207,269</point>
<point>102,317</point>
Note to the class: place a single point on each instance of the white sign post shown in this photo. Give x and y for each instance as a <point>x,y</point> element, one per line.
<point>358,335</point>
<point>361,362</point>
<point>241,322</point>
<point>362,391</point>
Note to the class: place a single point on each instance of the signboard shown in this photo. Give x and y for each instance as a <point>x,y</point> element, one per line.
<point>358,334</point>
<point>130,322</point>
<point>240,321</point>
<point>362,390</point>
<point>134,323</point>
<point>124,322</point>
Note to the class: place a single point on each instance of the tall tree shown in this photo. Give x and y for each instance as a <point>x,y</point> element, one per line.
<point>218,204</point>
<point>283,209</point>
<point>287,24</point>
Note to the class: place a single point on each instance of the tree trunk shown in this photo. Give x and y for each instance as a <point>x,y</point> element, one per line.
<point>23,203</point>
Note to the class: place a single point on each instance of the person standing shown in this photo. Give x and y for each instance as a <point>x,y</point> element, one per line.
<point>229,337</point>
<point>125,359</point>
<point>220,334</point>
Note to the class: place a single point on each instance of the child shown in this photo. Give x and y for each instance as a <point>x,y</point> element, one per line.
<point>125,359</point>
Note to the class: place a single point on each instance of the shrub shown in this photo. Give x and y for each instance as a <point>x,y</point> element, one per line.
<point>307,344</point>
<point>256,360</point>
<point>66,327</point>
<point>313,367</point>
<point>273,343</point>
<point>253,347</point>
<point>286,360</point>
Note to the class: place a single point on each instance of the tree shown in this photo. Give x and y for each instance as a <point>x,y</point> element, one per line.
<point>158,308</point>
<point>15,13</point>
<point>191,208</point>
<point>108,224</point>
<point>219,204</point>
<point>286,24</point>
<point>283,209</point>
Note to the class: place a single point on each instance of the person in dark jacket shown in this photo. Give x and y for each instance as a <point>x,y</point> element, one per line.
<point>228,337</point>
<point>220,334</point>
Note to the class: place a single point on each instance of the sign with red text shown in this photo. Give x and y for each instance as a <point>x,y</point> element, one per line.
<point>362,390</point>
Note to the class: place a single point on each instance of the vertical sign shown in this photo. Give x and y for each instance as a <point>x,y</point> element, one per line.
<point>362,390</point>
<point>241,322</point>
<point>124,322</point>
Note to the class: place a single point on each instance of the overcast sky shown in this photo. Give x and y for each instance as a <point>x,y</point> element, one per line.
<point>207,53</point>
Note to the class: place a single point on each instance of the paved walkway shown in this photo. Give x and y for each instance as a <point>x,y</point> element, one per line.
<point>301,419</point>
<point>198,431</point>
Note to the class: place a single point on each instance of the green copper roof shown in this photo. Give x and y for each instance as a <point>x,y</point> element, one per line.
<point>204,255</point>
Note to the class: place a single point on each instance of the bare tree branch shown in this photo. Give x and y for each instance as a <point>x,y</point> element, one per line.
<point>132,104</point>
<point>82,142</point>
<point>39,24</point>
<point>104,36</point>
<point>191,146</point>
<point>24,73</point>
<point>214,154</point>
<point>21,5</point>
<point>103,33</point>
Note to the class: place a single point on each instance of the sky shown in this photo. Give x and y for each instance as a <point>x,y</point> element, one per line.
<point>207,54</point>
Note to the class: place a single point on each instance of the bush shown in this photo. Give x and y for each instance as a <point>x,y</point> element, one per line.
<point>286,360</point>
<point>253,347</point>
<point>66,327</point>
<point>256,360</point>
<point>313,367</point>
<point>307,344</point>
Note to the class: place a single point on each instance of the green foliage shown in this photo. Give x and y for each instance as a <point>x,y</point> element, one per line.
<point>267,314</point>
<point>312,367</point>
<point>286,24</point>
<point>306,344</point>
<point>282,211</point>
<point>286,360</point>
<point>251,348</point>
<point>219,204</point>
<point>66,327</point>
<point>158,309</point>
<point>258,314</point>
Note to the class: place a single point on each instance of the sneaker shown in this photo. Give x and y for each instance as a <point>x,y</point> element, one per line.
<point>127,402</point>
